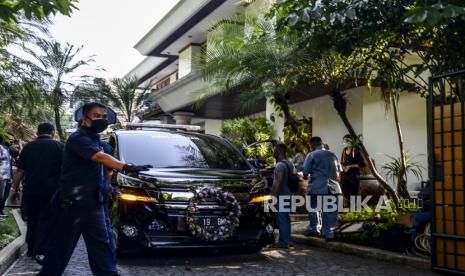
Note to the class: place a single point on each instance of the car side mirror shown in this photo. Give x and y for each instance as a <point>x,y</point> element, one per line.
<point>257,163</point>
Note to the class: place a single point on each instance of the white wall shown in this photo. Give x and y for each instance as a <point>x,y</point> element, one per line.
<point>213,126</point>
<point>327,123</point>
<point>278,123</point>
<point>367,114</point>
<point>380,135</point>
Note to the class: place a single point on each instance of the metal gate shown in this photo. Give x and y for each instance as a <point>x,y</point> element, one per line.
<point>446,135</point>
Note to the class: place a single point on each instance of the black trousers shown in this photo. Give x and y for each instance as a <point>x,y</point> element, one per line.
<point>36,207</point>
<point>350,183</point>
<point>6,194</point>
<point>86,218</point>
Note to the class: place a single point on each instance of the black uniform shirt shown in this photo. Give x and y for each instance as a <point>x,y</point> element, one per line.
<point>81,178</point>
<point>41,161</point>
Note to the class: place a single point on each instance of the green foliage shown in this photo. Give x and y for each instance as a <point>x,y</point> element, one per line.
<point>435,12</point>
<point>245,131</point>
<point>393,168</point>
<point>24,83</point>
<point>123,94</point>
<point>384,32</point>
<point>374,223</point>
<point>374,43</point>
<point>383,215</point>
<point>8,230</point>
<point>57,64</point>
<point>254,59</point>
<point>295,139</point>
<point>4,135</point>
<point>21,96</point>
<point>11,10</point>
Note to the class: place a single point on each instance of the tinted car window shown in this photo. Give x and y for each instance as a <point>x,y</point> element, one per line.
<point>178,150</point>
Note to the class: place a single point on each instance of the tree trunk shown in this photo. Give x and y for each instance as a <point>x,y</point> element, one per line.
<point>56,110</point>
<point>56,102</point>
<point>402,177</point>
<point>340,105</point>
<point>280,100</point>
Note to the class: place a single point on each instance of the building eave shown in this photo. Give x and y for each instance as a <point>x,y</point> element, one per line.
<point>146,46</point>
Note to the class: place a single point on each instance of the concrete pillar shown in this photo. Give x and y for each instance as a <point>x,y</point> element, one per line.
<point>278,124</point>
<point>183,118</point>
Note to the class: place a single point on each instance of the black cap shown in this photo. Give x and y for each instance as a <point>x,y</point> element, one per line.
<point>80,112</point>
<point>45,128</point>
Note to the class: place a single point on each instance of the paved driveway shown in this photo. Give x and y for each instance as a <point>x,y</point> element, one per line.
<point>302,260</point>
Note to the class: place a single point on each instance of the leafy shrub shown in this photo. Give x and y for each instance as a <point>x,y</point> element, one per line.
<point>245,131</point>
<point>8,230</point>
<point>393,168</point>
<point>373,224</point>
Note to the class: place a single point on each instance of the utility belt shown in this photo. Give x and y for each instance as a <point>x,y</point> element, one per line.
<point>63,201</point>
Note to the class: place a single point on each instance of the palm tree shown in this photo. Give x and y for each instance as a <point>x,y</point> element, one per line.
<point>21,98</point>
<point>270,64</point>
<point>58,62</point>
<point>253,57</point>
<point>124,94</point>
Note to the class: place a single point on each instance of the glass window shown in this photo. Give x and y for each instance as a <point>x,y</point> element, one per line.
<point>179,150</point>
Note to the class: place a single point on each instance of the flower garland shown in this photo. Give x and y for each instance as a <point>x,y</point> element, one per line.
<point>228,226</point>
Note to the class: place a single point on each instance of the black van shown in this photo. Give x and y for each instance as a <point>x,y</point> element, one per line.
<point>151,210</point>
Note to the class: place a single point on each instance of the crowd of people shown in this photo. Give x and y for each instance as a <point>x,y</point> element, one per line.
<point>65,192</point>
<point>320,168</point>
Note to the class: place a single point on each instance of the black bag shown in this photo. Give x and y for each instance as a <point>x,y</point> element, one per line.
<point>292,179</point>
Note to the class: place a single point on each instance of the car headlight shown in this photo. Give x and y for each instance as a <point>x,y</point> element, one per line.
<point>133,197</point>
<point>259,199</point>
<point>133,182</point>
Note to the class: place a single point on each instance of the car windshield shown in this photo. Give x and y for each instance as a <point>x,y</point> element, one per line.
<point>180,150</point>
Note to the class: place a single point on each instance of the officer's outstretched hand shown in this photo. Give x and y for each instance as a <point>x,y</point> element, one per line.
<point>131,168</point>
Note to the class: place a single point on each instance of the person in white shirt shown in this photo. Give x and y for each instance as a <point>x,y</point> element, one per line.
<point>5,167</point>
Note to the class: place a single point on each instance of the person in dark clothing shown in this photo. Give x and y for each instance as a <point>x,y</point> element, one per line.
<point>280,188</point>
<point>40,165</point>
<point>351,161</point>
<point>320,166</point>
<point>106,193</point>
<point>78,203</point>
<point>424,215</point>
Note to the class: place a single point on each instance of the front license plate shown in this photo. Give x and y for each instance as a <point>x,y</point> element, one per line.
<point>211,223</point>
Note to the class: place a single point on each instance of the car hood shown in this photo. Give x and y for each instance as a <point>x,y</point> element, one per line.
<point>177,183</point>
<point>196,173</point>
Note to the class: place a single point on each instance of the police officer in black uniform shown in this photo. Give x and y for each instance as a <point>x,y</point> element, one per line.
<point>79,201</point>
<point>39,164</point>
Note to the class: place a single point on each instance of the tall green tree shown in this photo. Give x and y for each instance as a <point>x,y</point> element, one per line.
<point>377,37</point>
<point>11,10</point>
<point>245,53</point>
<point>58,64</point>
<point>124,94</point>
<point>21,99</point>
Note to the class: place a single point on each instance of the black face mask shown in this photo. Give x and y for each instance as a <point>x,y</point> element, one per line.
<point>99,125</point>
